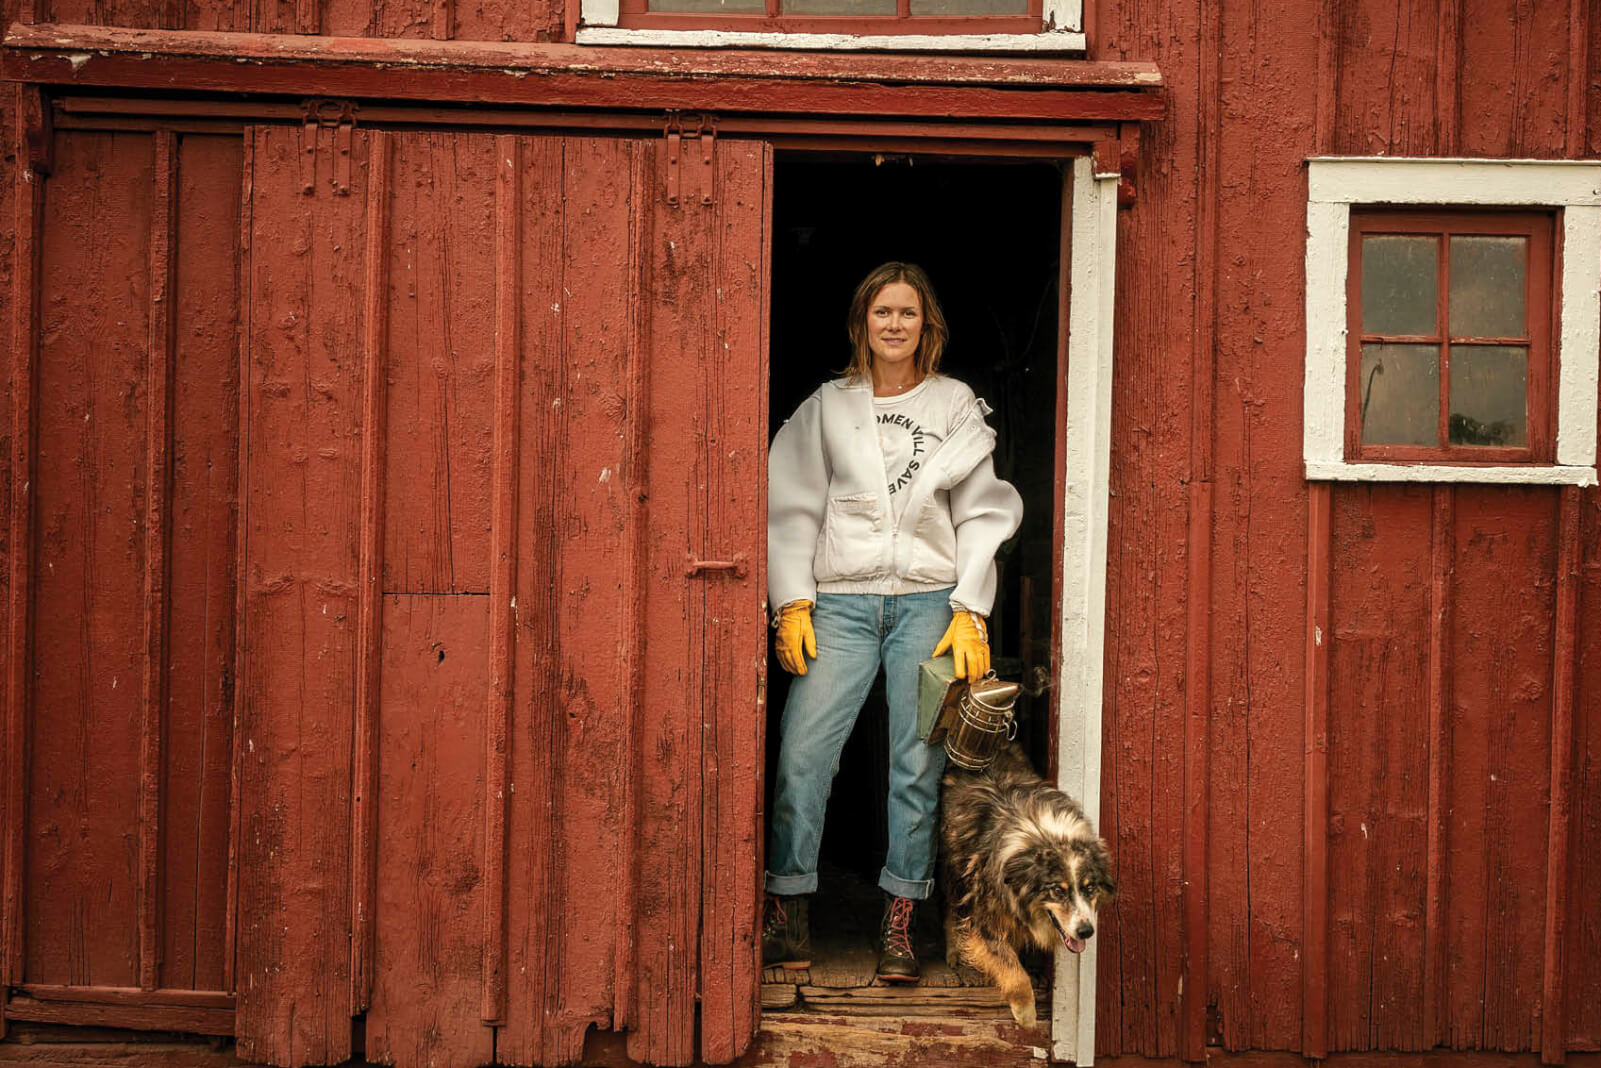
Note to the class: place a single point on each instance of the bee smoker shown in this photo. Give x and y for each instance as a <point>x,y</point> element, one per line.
<point>984,716</point>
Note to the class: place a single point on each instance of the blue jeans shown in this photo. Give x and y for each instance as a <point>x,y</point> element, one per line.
<point>856,633</point>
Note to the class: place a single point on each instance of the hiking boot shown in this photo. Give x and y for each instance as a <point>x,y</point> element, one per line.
<point>786,935</point>
<point>897,960</point>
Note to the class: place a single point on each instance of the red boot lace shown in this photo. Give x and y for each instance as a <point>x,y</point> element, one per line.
<point>775,918</point>
<point>898,931</point>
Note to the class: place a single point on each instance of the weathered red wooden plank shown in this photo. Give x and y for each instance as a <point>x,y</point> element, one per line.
<point>1378,758</point>
<point>1197,723</point>
<point>1583,986</point>
<point>203,558</point>
<point>1315,736</point>
<point>1258,746</point>
<point>1513,84</point>
<point>91,479</point>
<point>157,518</point>
<point>678,248</point>
<point>430,904</point>
<point>508,151</point>
<point>602,597</point>
<point>1448,80</point>
<point>732,404</point>
<point>177,1018</point>
<point>1553,1031</point>
<point>533,1032</point>
<point>1442,553</point>
<point>572,753</point>
<point>21,203</point>
<point>1386,96</point>
<point>545,57</point>
<point>440,351</point>
<point>1501,654</point>
<point>137,14</point>
<point>482,72</point>
<point>1195,977</point>
<point>128,995</point>
<point>242,329</point>
<point>369,596</point>
<point>302,489</point>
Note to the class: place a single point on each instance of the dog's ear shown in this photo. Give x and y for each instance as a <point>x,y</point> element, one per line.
<point>1025,869</point>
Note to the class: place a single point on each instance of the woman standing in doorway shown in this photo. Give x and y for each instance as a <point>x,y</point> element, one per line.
<point>884,517</point>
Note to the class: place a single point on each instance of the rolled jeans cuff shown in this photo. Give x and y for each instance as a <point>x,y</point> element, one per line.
<point>790,885</point>
<point>916,889</point>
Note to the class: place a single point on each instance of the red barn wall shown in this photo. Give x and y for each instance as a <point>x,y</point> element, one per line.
<point>1207,406</point>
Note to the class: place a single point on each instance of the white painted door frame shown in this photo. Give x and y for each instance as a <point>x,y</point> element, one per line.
<point>1092,271</point>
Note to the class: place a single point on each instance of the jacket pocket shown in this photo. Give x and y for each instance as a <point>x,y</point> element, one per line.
<point>933,555</point>
<point>853,532</point>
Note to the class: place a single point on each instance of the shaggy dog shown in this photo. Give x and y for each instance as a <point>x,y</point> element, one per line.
<point>1022,866</point>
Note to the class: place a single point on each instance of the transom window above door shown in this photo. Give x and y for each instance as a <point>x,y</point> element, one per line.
<point>1049,26</point>
<point>1449,337</point>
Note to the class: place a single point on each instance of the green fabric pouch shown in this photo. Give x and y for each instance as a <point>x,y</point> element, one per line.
<point>938,692</point>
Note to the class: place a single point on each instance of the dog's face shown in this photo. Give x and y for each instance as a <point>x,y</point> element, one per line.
<point>1059,885</point>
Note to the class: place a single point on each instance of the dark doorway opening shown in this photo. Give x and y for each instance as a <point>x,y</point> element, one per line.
<point>989,235</point>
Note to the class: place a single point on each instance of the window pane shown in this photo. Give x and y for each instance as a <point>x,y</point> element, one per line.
<point>838,7</point>
<point>1400,285</point>
<point>969,7</point>
<point>1489,395</point>
<point>735,7</point>
<point>1487,286</point>
<point>1400,394</point>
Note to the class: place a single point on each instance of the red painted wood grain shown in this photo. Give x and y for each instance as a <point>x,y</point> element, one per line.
<point>1582,1012</point>
<point>1378,765</point>
<point>84,722</point>
<point>734,406</point>
<point>536,1031</point>
<point>428,914</point>
<point>203,557</point>
<point>440,357</point>
<point>1501,653</point>
<point>301,490</point>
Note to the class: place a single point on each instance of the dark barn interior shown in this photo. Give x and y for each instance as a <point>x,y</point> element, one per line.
<point>835,219</point>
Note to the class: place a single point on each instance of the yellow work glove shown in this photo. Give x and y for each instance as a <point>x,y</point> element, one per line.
<point>969,642</point>
<point>796,640</point>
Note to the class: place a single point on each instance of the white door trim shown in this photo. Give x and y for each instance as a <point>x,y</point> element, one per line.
<point>1092,282</point>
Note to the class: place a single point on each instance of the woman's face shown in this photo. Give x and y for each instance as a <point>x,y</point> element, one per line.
<point>894,324</point>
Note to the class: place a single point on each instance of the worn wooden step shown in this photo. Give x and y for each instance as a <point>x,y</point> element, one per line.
<point>904,1001</point>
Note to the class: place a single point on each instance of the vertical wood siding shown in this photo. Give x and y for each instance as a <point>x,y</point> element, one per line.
<point>419,437</point>
<point>1447,722</point>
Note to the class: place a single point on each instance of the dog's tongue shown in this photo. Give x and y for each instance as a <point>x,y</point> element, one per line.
<point>1074,945</point>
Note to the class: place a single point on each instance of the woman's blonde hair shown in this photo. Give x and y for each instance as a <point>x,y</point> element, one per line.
<point>930,345</point>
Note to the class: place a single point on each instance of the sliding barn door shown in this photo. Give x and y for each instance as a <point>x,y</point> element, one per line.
<point>396,561</point>
<point>502,642</point>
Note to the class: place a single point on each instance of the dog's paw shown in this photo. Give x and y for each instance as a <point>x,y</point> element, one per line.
<point>1023,1010</point>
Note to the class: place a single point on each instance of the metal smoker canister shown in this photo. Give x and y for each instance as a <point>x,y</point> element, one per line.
<point>984,717</point>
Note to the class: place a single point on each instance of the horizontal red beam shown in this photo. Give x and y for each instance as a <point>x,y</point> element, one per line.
<point>559,75</point>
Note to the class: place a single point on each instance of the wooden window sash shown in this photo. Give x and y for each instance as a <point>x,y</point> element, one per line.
<point>1540,310</point>
<point>635,14</point>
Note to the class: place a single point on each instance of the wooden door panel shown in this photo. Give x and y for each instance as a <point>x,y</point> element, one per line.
<point>130,723</point>
<point>399,568</point>
<point>298,659</point>
<point>81,913</point>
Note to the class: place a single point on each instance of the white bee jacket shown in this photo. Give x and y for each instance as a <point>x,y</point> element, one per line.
<point>829,517</point>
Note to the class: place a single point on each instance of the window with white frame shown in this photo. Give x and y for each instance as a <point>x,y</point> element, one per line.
<point>913,25</point>
<point>1453,322</point>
